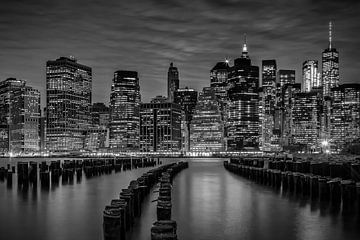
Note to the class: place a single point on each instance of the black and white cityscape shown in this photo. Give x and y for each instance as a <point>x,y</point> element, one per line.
<point>168,120</point>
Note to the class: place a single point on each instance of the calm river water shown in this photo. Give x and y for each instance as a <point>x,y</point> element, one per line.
<point>208,203</point>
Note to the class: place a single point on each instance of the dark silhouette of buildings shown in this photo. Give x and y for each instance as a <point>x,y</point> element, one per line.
<point>173,81</point>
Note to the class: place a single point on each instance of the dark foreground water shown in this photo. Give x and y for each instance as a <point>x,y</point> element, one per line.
<point>208,203</point>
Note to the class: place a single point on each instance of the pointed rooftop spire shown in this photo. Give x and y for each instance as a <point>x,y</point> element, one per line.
<point>330,34</point>
<point>244,46</point>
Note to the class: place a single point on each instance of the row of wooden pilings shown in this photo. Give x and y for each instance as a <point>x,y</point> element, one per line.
<point>119,216</point>
<point>334,183</point>
<point>165,228</point>
<point>28,172</point>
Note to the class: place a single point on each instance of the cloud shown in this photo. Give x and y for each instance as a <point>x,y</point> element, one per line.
<point>145,35</point>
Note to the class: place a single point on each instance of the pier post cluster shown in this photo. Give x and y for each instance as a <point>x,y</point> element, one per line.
<point>28,172</point>
<point>165,228</point>
<point>337,183</point>
<point>119,215</point>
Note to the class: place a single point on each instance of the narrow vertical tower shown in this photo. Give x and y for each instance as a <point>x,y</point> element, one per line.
<point>173,81</point>
<point>330,65</point>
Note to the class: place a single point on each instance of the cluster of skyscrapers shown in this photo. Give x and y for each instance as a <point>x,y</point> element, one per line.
<point>243,109</point>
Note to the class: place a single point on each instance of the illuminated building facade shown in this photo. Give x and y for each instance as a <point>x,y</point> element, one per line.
<point>306,119</point>
<point>68,103</point>
<point>219,81</point>
<point>345,115</point>
<point>286,77</point>
<point>100,114</point>
<point>25,121</point>
<point>288,93</point>
<point>330,66</point>
<point>7,88</point>
<point>160,127</point>
<point>206,127</point>
<point>311,75</point>
<point>187,99</point>
<point>269,140</point>
<point>243,122</point>
<point>124,111</point>
<point>173,81</point>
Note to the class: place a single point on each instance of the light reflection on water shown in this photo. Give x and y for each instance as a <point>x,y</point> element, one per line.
<point>208,203</point>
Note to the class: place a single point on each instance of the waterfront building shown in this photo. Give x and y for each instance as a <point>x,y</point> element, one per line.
<point>219,81</point>
<point>311,75</point>
<point>24,121</point>
<point>68,103</point>
<point>173,81</point>
<point>7,88</point>
<point>243,121</point>
<point>286,77</point>
<point>124,111</point>
<point>187,99</point>
<point>207,127</point>
<point>97,138</point>
<point>306,119</point>
<point>269,141</point>
<point>160,127</point>
<point>345,116</point>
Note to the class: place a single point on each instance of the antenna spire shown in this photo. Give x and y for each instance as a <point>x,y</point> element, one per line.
<point>244,46</point>
<point>330,34</point>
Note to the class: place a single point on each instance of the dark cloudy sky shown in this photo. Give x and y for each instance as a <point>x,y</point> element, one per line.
<point>145,35</point>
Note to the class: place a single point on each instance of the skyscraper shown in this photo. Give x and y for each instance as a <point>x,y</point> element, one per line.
<point>306,114</point>
<point>160,127</point>
<point>7,88</point>
<point>68,103</point>
<point>345,117</point>
<point>269,141</point>
<point>100,114</point>
<point>219,80</point>
<point>173,81</point>
<point>286,77</point>
<point>124,111</point>
<point>207,127</point>
<point>187,99</point>
<point>330,66</point>
<point>24,121</point>
<point>311,75</point>
<point>242,121</point>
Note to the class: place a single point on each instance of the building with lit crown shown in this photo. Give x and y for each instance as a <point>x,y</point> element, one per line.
<point>311,75</point>
<point>173,81</point>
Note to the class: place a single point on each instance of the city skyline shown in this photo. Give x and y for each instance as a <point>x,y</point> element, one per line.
<point>189,42</point>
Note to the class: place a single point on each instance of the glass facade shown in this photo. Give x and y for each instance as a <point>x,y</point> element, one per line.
<point>160,127</point>
<point>68,95</point>
<point>311,75</point>
<point>124,111</point>
<point>24,121</point>
<point>206,127</point>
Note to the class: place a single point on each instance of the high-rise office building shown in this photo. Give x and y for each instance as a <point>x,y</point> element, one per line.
<point>97,136</point>
<point>242,121</point>
<point>288,93</point>
<point>219,80</point>
<point>7,88</point>
<point>269,140</point>
<point>330,66</point>
<point>124,111</point>
<point>187,99</point>
<point>160,127</point>
<point>286,77</point>
<point>68,103</point>
<point>173,81</point>
<point>206,127</point>
<point>306,119</point>
<point>159,99</point>
<point>311,75</point>
<point>24,121</point>
<point>345,117</point>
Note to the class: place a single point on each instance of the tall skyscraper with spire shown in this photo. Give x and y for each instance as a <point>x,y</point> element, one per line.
<point>330,66</point>
<point>242,122</point>
<point>173,81</point>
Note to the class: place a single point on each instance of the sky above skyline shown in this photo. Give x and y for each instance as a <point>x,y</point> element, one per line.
<point>146,35</point>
